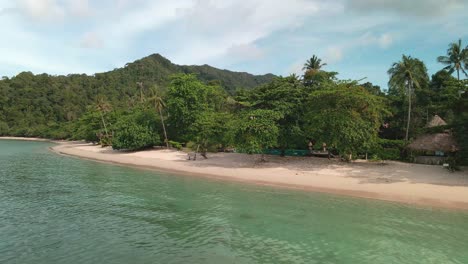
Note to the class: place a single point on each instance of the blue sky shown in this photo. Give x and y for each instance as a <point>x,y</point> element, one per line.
<point>357,38</point>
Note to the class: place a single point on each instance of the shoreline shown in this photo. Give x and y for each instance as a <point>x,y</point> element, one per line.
<point>27,139</point>
<point>440,189</point>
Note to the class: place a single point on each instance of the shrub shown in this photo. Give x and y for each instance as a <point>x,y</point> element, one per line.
<point>175,144</point>
<point>130,135</point>
<point>4,128</point>
<point>387,149</point>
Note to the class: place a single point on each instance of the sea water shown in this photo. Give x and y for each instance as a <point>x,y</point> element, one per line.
<point>57,209</point>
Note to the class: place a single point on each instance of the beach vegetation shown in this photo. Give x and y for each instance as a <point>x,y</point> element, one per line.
<point>456,59</point>
<point>256,131</point>
<point>152,102</point>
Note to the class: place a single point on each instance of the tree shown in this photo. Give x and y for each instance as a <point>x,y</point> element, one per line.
<point>256,131</point>
<point>318,79</point>
<point>373,89</point>
<point>142,94</point>
<point>88,126</point>
<point>158,102</point>
<point>131,135</point>
<point>103,106</point>
<point>285,95</point>
<point>4,129</point>
<point>30,103</point>
<point>314,63</point>
<point>346,117</point>
<point>460,124</point>
<point>410,73</point>
<point>188,98</point>
<point>456,57</point>
<point>211,130</point>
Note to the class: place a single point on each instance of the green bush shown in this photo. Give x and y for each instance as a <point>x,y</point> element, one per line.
<point>130,135</point>
<point>390,143</point>
<point>4,129</point>
<point>175,144</point>
<point>387,149</point>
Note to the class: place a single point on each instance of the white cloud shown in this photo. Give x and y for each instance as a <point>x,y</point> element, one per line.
<point>49,10</point>
<point>296,68</point>
<point>91,41</point>
<point>42,10</point>
<point>333,54</point>
<point>245,52</point>
<point>79,8</point>
<point>260,35</point>
<point>214,27</point>
<point>336,53</point>
<point>421,8</point>
<point>385,40</point>
<point>207,31</point>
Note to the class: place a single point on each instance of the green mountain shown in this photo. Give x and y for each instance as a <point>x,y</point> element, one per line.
<point>157,69</point>
<point>32,103</point>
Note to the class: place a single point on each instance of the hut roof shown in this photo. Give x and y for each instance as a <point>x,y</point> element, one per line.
<point>435,142</point>
<point>436,121</point>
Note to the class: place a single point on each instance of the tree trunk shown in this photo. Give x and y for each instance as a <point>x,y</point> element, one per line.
<point>104,124</point>
<point>458,74</point>
<point>410,84</point>
<point>164,128</point>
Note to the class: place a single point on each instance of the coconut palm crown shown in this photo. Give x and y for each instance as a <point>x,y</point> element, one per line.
<point>456,59</point>
<point>314,63</point>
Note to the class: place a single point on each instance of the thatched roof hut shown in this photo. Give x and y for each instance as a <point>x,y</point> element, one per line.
<point>436,121</point>
<point>434,147</point>
<point>434,142</point>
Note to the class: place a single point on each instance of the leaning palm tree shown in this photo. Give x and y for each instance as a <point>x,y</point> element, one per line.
<point>314,63</point>
<point>456,57</point>
<point>409,73</point>
<point>142,96</point>
<point>157,100</point>
<point>103,106</point>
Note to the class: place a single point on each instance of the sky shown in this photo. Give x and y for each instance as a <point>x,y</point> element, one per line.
<point>357,38</point>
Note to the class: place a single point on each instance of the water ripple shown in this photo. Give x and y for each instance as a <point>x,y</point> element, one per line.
<point>56,209</point>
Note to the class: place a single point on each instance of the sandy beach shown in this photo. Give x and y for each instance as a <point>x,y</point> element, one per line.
<point>426,185</point>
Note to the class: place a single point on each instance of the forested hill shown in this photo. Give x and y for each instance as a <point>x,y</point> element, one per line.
<point>157,69</point>
<point>30,104</point>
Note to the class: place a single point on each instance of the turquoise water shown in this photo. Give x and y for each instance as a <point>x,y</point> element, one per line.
<point>56,209</point>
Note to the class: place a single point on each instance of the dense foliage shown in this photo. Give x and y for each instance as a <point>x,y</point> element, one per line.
<point>154,102</point>
<point>132,135</point>
<point>40,105</point>
<point>346,117</point>
<point>256,130</point>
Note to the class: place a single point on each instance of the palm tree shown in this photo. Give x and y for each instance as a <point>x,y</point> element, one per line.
<point>103,106</point>
<point>159,104</point>
<point>409,73</point>
<point>142,97</point>
<point>314,63</point>
<point>294,76</point>
<point>456,57</point>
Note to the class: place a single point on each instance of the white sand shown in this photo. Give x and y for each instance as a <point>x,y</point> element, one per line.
<point>392,181</point>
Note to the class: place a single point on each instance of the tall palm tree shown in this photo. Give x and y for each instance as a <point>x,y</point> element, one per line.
<point>409,73</point>
<point>142,97</point>
<point>456,57</point>
<point>314,63</point>
<point>103,106</point>
<point>157,100</point>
